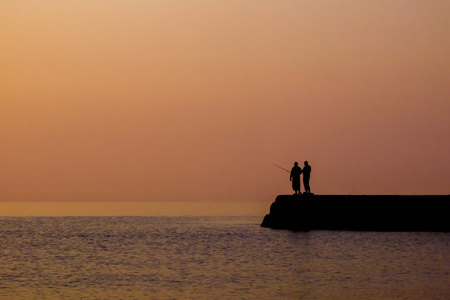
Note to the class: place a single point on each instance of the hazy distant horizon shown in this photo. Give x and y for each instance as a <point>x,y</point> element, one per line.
<point>61,209</point>
<point>142,208</point>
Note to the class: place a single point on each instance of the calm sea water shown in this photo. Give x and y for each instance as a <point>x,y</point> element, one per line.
<point>214,258</point>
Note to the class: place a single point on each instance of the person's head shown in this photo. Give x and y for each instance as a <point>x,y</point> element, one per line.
<point>306,163</point>
<point>296,164</point>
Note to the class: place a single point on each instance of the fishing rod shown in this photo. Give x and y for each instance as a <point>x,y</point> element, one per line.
<point>280,167</point>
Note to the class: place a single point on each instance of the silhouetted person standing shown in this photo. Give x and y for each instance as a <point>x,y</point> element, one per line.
<point>306,175</point>
<point>295,178</point>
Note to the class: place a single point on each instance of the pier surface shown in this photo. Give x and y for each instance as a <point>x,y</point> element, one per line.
<point>360,213</point>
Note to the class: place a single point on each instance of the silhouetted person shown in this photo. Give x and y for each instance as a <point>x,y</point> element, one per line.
<point>306,175</point>
<point>295,178</point>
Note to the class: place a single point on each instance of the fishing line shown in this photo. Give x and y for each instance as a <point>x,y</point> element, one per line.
<point>279,167</point>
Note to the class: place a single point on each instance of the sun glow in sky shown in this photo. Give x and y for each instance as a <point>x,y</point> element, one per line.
<point>191,100</point>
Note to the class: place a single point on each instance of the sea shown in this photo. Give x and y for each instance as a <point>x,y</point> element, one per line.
<point>214,257</point>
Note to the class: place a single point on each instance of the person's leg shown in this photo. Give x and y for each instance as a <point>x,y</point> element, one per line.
<point>306,184</point>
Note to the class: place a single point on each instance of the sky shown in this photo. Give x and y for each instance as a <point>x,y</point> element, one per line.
<point>187,101</point>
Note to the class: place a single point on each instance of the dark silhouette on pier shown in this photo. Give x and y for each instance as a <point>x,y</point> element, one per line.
<point>355,212</point>
<point>306,175</point>
<point>295,178</point>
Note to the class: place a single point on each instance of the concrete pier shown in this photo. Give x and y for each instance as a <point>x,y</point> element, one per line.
<point>360,213</point>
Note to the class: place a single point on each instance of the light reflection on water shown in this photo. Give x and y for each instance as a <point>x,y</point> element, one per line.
<point>214,257</point>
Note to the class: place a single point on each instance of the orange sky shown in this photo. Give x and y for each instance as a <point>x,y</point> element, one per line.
<point>189,100</point>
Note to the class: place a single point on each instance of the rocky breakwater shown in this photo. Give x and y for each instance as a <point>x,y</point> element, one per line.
<point>360,212</point>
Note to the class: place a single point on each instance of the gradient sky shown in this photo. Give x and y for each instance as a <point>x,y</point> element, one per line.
<point>190,100</point>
